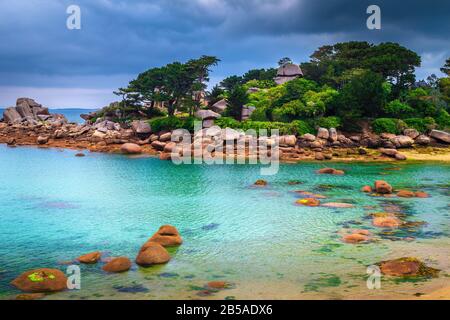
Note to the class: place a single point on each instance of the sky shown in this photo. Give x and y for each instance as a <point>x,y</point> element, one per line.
<point>61,68</point>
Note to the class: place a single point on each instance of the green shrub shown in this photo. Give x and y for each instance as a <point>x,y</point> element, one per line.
<point>398,109</point>
<point>227,122</point>
<point>260,114</point>
<point>172,123</point>
<point>301,127</point>
<point>421,124</point>
<point>329,122</point>
<point>284,128</point>
<point>443,119</point>
<point>388,125</point>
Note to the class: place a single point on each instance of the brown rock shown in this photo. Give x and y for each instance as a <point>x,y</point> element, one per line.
<point>421,194</point>
<point>260,183</point>
<point>400,157</point>
<point>120,264</point>
<point>319,156</point>
<point>90,258</point>
<point>407,267</point>
<point>405,194</point>
<point>330,171</point>
<point>355,238</point>
<point>152,253</point>
<point>42,140</point>
<point>157,145</point>
<point>41,280</point>
<point>309,202</point>
<point>383,187</point>
<point>386,220</point>
<point>80,155</point>
<point>217,285</point>
<point>165,156</point>
<point>167,236</point>
<point>337,205</point>
<point>367,189</point>
<point>30,296</point>
<point>130,148</point>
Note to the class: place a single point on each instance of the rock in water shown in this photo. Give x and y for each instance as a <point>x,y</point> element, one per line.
<point>130,148</point>
<point>330,171</point>
<point>405,194</point>
<point>407,267</point>
<point>337,205</point>
<point>260,183</point>
<point>440,135</point>
<point>309,202</point>
<point>383,187</point>
<point>41,280</point>
<point>90,258</point>
<point>120,264</point>
<point>386,220</point>
<point>167,236</point>
<point>367,189</point>
<point>152,253</point>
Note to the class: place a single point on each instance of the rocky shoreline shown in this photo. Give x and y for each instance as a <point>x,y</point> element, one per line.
<point>31,124</point>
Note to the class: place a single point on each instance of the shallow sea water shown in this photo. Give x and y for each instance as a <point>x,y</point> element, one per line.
<point>55,207</point>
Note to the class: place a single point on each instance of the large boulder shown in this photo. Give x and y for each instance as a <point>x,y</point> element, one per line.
<point>333,135</point>
<point>157,145</point>
<point>402,141</point>
<point>120,264</point>
<point>167,236</point>
<point>141,127</point>
<point>289,141</point>
<point>412,133</point>
<point>152,253</point>
<point>41,280</point>
<point>308,137</point>
<point>10,115</point>
<point>322,133</point>
<point>440,135</point>
<point>423,140</point>
<point>90,258</point>
<point>131,148</point>
<point>383,187</point>
<point>207,114</point>
<point>407,267</point>
<point>220,106</point>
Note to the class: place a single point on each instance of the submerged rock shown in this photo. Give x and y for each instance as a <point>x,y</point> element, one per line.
<point>309,202</point>
<point>90,258</point>
<point>260,183</point>
<point>386,220</point>
<point>337,205</point>
<point>383,187</point>
<point>356,236</point>
<point>218,285</point>
<point>407,267</point>
<point>405,194</point>
<point>152,253</point>
<point>167,236</point>
<point>331,171</point>
<point>120,264</point>
<point>41,280</point>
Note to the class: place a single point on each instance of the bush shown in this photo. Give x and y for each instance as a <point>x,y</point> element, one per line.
<point>421,124</point>
<point>227,122</point>
<point>398,109</point>
<point>443,119</point>
<point>329,122</point>
<point>172,123</point>
<point>284,128</point>
<point>260,114</point>
<point>301,127</point>
<point>388,125</point>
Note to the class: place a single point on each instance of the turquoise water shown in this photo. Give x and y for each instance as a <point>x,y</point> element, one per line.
<point>55,207</point>
<point>72,114</point>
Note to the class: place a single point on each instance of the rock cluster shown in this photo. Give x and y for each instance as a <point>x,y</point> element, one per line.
<point>29,112</point>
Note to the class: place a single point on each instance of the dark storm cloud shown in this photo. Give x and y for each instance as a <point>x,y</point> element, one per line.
<point>120,38</point>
